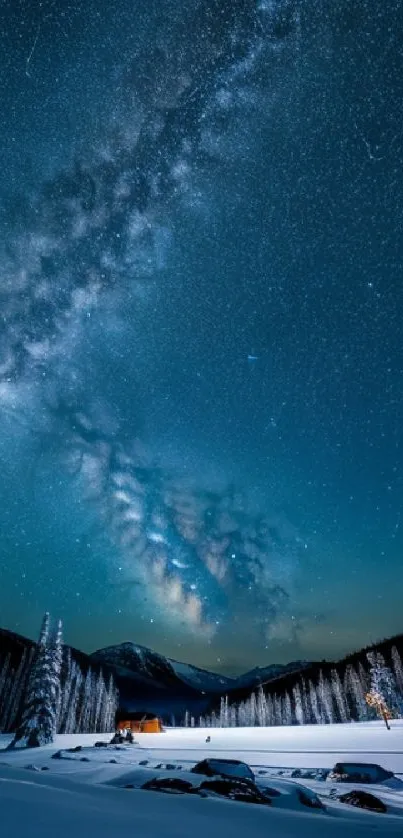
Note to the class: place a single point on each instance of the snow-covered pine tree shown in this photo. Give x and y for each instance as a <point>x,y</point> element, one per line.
<point>270,710</point>
<point>398,669</point>
<point>93,702</point>
<point>338,695</point>
<point>224,712</point>
<point>306,704</point>
<point>277,711</point>
<point>100,704</point>
<point>72,718</point>
<point>355,693</point>
<point>233,716</point>
<point>112,705</point>
<point>39,719</point>
<point>67,686</point>
<point>383,683</point>
<point>287,709</point>
<point>18,686</point>
<point>325,700</point>
<point>55,652</point>
<point>4,689</point>
<point>313,697</point>
<point>85,710</point>
<point>261,707</point>
<point>252,710</point>
<point>298,708</point>
<point>242,715</point>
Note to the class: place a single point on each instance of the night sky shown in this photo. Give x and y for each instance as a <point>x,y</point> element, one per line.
<point>201,303</point>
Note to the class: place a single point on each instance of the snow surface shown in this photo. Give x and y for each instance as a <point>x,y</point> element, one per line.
<point>83,792</point>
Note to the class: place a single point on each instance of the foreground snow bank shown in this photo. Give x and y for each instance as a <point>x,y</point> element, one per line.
<point>33,807</point>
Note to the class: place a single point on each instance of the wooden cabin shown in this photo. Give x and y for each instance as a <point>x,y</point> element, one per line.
<point>139,722</point>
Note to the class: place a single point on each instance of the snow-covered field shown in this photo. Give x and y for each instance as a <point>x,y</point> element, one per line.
<point>84,792</point>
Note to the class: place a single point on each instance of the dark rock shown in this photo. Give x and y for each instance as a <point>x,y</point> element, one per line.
<point>242,790</point>
<point>114,761</point>
<point>170,767</point>
<point>101,745</point>
<point>363,800</point>
<point>296,773</point>
<point>129,786</point>
<point>75,750</point>
<point>143,762</point>
<point>84,759</point>
<point>45,768</point>
<point>117,739</point>
<point>170,785</point>
<point>57,755</point>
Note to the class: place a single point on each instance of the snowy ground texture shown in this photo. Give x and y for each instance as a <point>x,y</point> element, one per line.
<point>85,792</point>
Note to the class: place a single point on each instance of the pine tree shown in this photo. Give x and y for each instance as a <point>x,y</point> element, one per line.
<point>112,705</point>
<point>67,686</point>
<point>337,692</point>
<point>356,694</point>
<point>287,710</point>
<point>224,712</point>
<point>18,686</point>
<point>383,685</point>
<point>325,700</point>
<point>398,668</point>
<point>277,710</point>
<point>270,710</point>
<point>242,715</point>
<point>261,708</point>
<point>298,708</point>
<point>233,722</point>
<point>4,688</point>
<point>56,660</point>
<point>39,720</point>
<point>252,710</point>
<point>306,704</point>
<point>314,703</point>
<point>84,724</point>
<point>72,718</point>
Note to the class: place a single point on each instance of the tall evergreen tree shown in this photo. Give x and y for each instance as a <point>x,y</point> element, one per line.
<point>39,719</point>
<point>325,700</point>
<point>298,708</point>
<point>261,707</point>
<point>355,693</point>
<point>338,695</point>
<point>383,683</point>
<point>72,719</point>
<point>18,686</point>
<point>287,710</point>
<point>314,703</point>
<point>398,669</point>
<point>4,687</point>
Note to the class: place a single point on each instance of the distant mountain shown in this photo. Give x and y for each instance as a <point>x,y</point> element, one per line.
<point>147,680</point>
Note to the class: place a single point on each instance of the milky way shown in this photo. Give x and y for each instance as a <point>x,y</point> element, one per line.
<point>100,231</point>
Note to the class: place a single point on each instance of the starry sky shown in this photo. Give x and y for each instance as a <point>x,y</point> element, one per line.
<point>201,345</point>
